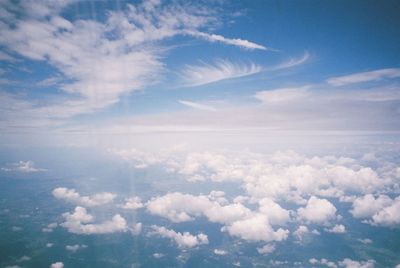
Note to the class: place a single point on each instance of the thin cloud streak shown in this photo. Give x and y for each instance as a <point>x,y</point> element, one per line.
<point>197,106</point>
<point>375,75</point>
<point>229,41</point>
<point>197,75</point>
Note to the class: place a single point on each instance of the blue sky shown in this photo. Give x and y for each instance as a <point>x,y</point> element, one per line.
<point>199,133</point>
<point>86,64</point>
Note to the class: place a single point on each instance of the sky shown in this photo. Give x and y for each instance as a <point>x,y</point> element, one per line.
<point>152,66</point>
<point>199,133</point>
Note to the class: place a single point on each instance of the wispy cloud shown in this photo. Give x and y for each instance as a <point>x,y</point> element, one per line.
<point>229,41</point>
<point>96,57</point>
<point>365,77</point>
<point>196,75</point>
<point>292,62</point>
<point>282,94</point>
<point>197,106</point>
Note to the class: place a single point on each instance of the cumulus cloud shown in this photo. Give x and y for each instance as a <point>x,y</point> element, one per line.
<point>365,77</point>
<point>136,228</point>
<point>79,222</point>
<point>349,263</point>
<point>197,75</point>
<point>22,166</point>
<point>24,258</point>
<point>220,252</point>
<point>365,240</point>
<point>317,211</point>
<point>337,229</point>
<point>322,262</point>
<point>267,249</point>
<point>75,248</point>
<point>301,232</point>
<point>133,203</point>
<point>256,228</point>
<point>382,210</point>
<point>237,219</point>
<point>267,180</point>
<point>72,196</point>
<point>57,265</point>
<point>158,255</point>
<point>49,228</point>
<point>183,240</point>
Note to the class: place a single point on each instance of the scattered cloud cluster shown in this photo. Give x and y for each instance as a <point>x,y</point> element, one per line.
<point>381,210</point>
<point>22,166</point>
<point>72,196</point>
<point>347,263</point>
<point>183,240</point>
<point>267,249</point>
<point>75,248</point>
<point>79,222</point>
<point>237,219</point>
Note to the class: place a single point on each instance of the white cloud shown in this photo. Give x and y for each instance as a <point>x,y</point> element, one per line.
<point>375,75</point>
<point>97,56</point>
<point>24,258</point>
<point>322,262</point>
<point>267,249</point>
<point>22,166</point>
<point>293,62</point>
<point>317,211</point>
<point>337,229</point>
<point>349,263</point>
<point>57,265</point>
<point>220,252</point>
<point>300,232</point>
<point>72,196</point>
<point>389,215</point>
<point>256,228</point>
<point>136,228</point>
<point>236,218</point>
<point>197,75</point>
<point>133,203</point>
<point>280,95</point>
<point>75,248</point>
<point>381,210</point>
<point>49,228</point>
<point>367,205</point>
<point>158,255</point>
<point>6,57</point>
<point>183,240</point>
<point>49,245</point>
<point>229,41</point>
<point>365,241</point>
<point>78,222</point>
<point>197,106</point>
